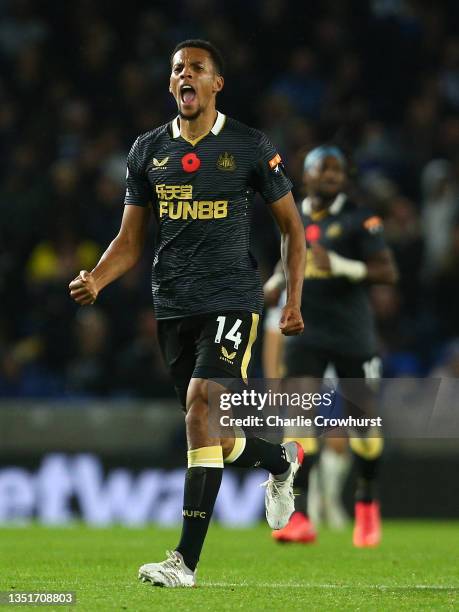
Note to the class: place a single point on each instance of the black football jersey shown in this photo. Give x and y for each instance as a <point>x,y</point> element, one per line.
<point>336,311</point>
<point>202,195</point>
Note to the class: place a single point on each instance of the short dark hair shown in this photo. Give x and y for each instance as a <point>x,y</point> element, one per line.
<point>198,43</point>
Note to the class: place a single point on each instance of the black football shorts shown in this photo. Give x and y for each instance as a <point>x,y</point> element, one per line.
<point>359,375</point>
<point>302,360</point>
<point>212,346</point>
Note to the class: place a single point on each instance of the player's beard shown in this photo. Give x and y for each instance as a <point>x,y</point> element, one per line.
<point>192,117</point>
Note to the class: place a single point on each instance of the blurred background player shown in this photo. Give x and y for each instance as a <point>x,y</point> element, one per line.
<point>331,460</point>
<point>345,252</point>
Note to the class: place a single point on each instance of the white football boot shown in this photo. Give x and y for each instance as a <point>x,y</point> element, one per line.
<point>279,500</point>
<point>169,573</point>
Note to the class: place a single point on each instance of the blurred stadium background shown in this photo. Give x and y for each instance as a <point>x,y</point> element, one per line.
<point>89,425</point>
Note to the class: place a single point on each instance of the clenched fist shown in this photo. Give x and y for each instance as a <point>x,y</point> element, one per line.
<point>83,288</point>
<point>291,321</point>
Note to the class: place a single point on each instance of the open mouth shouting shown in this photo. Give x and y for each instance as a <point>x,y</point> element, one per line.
<point>187,95</point>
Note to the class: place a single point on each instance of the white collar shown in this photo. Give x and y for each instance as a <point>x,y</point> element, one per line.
<point>334,208</point>
<point>216,128</point>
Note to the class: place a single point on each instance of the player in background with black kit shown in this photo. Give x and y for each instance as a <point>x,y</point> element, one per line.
<point>199,175</point>
<point>345,252</point>
<point>332,460</point>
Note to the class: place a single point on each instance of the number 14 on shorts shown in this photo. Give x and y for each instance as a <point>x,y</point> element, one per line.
<point>233,335</point>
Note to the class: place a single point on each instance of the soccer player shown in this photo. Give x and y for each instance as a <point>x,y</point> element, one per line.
<point>199,175</point>
<point>345,252</point>
<point>328,476</point>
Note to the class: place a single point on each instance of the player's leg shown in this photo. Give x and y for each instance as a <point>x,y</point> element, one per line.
<point>210,358</point>
<point>225,348</point>
<point>334,466</point>
<point>282,461</point>
<point>178,345</point>
<point>203,475</point>
<point>273,345</point>
<point>309,365</point>
<point>358,377</point>
<point>332,470</point>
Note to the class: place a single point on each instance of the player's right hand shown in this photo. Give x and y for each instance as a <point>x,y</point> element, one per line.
<point>291,321</point>
<point>83,288</point>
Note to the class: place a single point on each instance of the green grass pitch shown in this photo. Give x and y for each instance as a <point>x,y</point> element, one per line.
<point>416,568</point>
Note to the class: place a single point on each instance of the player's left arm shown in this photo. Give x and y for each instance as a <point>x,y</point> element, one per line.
<point>271,181</point>
<point>293,253</point>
